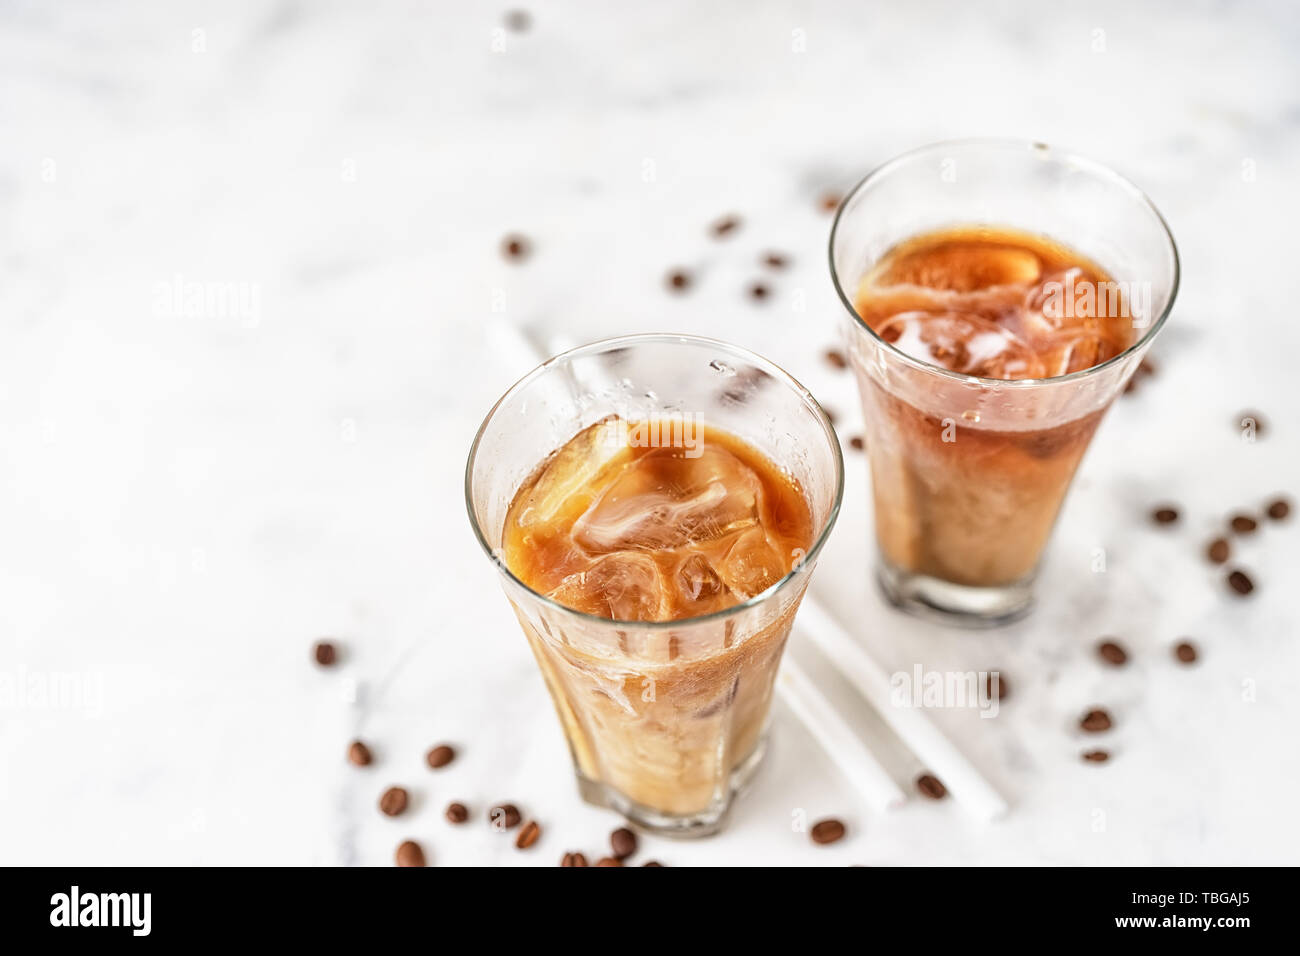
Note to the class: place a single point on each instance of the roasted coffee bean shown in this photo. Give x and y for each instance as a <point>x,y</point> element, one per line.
<point>827,831</point>
<point>457,813</point>
<point>573,859</point>
<point>393,801</point>
<point>829,202</point>
<point>1165,515</point>
<point>652,863</point>
<point>528,835</point>
<point>1239,582</point>
<point>1096,756</point>
<point>931,786</point>
<point>440,756</point>
<point>325,653</point>
<point>515,248</point>
<point>518,21</point>
<point>359,754</point>
<point>608,861</point>
<point>1244,524</point>
<point>725,226</point>
<point>1218,550</point>
<point>410,854</point>
<point>758,291</point>
<point>1095,721</point>
<point>774,260</point>
<point>836,359</point>
<point>1112,653</point>
<point>1147,367</point>
<point>504,817</point>
<point>857,443</point>
<point>1279,509</point>
<point>1185,651</point>
<point>1002,688</point>
<point>623,842</point>
<point>679,280</point>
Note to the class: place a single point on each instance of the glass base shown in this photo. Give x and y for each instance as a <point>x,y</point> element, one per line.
<point>704,823</point>
<point>958,604</point>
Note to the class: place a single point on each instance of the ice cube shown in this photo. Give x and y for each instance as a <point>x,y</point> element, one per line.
<point>697,581</point>
<point>963,267</point>
<point>583,460</point>
<point>752,565</point>
<point>623,586</point>
<point>963,342</point>
<point>664,500</point>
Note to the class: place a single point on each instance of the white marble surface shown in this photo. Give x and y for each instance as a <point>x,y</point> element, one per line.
<point>190,496</point>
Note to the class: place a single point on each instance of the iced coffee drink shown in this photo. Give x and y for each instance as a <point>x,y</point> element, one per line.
<point>954,498</point>
<point>629,531</point>
<point>987,353</point>
<point>655,558</point>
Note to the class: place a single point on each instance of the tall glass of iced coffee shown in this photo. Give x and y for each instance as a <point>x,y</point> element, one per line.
<point>1000,295</point>
<point>655,505</point>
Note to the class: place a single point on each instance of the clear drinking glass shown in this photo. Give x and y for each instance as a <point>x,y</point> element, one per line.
<point>665,720</point>
<point>968,474</point>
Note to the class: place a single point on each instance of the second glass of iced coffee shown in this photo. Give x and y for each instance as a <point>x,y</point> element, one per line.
<point>1000,295</point>
<point>655,505</point>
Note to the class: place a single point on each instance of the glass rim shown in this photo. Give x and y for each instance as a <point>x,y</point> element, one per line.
<point>626,341</point>
<point>1100,170</point>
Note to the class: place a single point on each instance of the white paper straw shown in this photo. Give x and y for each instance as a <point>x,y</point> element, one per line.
<point>842,745</point>
<point>911,724</point>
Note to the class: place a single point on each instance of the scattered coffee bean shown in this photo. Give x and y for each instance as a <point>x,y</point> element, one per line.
<point>1147,367</point>
<point>528,835</point>
<point>1240,582</point>
<point>410,854</point>
<point>573,859</point>
<point>1218,550</point>
<point>440,756</point>
<point>679,280</point>
<point>1279,509</point>
<point>931,786</point>
<point>857,443</point>
<point>1244,524</point>
<point>393,801</point>
<point>1002,688</point>
<point>1112,653</point>
<point>652,863</point>
<point>518,21</point>
<point>325,653</point>
<point>623,842</point>
<point>830,416</point>
<point>758,291</point>
<point>774,260</point>
<point>1165,515</point>
<point>725,226</point>
<point>1096,756</point>
<point>1095,721</point>
<point>608,861</point>
<point>827,831</point>
<point>359,754</point>
<point>836,359</point>
<point>457,813</point>
<point>829,202</point>
<point>1251,422</point>
<point>504,817</point>
<point>515,248</point>
<point>1185,651</point>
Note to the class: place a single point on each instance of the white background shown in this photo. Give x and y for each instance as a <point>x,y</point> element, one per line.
<point>189,498</point>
